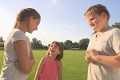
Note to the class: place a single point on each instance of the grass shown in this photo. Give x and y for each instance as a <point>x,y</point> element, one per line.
<point>74,65</point>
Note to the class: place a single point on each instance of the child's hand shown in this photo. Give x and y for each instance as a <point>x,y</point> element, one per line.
<point>32,59</point>
<point>93,53</point>
<point>88,58</point>
<point>17,65</point>
<point>31,56</point>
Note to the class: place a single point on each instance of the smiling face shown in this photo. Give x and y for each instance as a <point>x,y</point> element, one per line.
<point>97,22</point>
<point>54,49</point>
<point>97,17</point>
<point>33,24</point>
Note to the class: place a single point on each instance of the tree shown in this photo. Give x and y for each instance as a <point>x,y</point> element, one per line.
<point>75,45</point>
<point>1,43</point>
<point>1,39</point>
<point>62,44</point>
<point>116,25</point>
<point>68,44</point>
<point>36,44</point>
<point>84,43</point>
<point>45,47</point>
<point>94,32</point>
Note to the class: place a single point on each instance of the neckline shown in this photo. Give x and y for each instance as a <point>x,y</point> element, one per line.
<point>19,30</point>
<point>100,34</point>
<point>51,60</point>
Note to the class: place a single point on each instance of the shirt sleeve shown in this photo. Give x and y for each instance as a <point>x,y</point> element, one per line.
<point>28,39</point>
<point>18,36</point>
<point>116,41</point>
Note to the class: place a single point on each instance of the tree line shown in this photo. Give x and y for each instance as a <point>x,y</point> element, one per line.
<point>67,45</point>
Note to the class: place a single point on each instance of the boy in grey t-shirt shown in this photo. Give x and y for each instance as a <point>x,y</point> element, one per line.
<point>103,52</point>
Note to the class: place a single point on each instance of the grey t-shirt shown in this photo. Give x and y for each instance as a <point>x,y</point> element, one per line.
<point>9,71</point>
<point>107,44</point>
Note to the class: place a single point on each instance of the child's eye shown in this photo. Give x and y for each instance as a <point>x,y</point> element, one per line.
<point>92,19</point>
<point>51,46</point>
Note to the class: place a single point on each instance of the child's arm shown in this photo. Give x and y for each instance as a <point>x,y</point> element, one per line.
<point>60,71</point>
<point>32,57</point>
<point>17,63</point>
<point>24,59</point>
<point>39,69</point>
<point>88,58</point>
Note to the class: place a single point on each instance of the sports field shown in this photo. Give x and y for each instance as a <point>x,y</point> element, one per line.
<point>74,65</point>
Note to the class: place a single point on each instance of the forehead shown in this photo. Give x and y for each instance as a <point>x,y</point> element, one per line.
<point>88,16</point>
<point>53,44</point>
<point>37,20</point>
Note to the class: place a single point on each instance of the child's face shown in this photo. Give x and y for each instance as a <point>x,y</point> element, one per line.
<point>54,49</point>
<point>96,22</point>
<point>33,24</point>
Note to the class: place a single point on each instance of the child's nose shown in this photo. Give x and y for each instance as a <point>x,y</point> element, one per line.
<point>91,24</point>
<point>54,47</point>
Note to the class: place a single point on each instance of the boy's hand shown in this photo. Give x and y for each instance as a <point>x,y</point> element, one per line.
<point>88,58</point>
<point>17,65</point>
<point>93,53</point>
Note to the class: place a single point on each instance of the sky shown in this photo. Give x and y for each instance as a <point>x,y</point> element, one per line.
<point>61,20</point>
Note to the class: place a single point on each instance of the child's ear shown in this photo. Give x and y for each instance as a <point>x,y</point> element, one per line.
<point>30,18</point>
<point>104,15</point>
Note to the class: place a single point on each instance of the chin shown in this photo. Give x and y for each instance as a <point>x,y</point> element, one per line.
<point>94,29</point>
<point>30,32</point>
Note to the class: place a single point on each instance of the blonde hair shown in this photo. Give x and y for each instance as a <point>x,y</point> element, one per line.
<point>97,9</point>
<point>24,15</point>
<point>59,56</point>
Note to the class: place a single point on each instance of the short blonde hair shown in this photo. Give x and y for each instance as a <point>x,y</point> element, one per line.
<point>97,9</point>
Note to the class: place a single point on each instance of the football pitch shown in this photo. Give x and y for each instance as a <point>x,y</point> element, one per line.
<point>74,64</point>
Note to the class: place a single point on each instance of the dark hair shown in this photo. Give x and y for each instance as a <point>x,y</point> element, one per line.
<point>24,14</point>
<point>59,56</point>
<point>97,9</point>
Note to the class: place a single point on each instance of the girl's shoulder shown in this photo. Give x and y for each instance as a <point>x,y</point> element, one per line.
<point>59,63</point>
<point>43,60</point>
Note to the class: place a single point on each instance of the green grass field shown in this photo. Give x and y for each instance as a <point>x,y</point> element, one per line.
<point>74,65</point>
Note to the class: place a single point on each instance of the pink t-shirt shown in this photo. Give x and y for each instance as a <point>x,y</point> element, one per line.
<point>50,70</point>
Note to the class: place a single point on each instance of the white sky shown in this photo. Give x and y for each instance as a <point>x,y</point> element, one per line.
<point>61,19</point>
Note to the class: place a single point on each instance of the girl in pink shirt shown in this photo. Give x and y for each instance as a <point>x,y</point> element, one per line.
<point>50,67</point>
